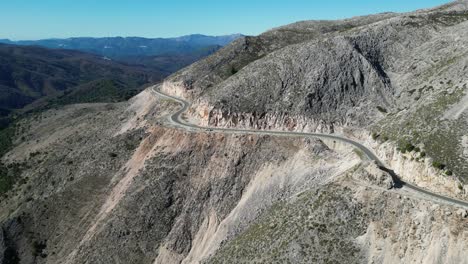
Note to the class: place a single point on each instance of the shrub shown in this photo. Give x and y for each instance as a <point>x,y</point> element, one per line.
<point>233,70</point>
<point>438,165</point>
<point>407,147</point>
<point>381,109</point>
<point>6,139</point>
<point>38,248</point>
<point>8,176</point>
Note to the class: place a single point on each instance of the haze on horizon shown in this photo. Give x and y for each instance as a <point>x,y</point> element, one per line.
<point>30,20</point>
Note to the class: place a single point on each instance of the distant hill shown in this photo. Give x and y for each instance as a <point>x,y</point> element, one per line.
<point>171,63</point>
<point>119,47</point>
<point>29,73</point>
<point>63,76</point>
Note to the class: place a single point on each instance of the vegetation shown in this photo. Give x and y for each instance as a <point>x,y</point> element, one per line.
<point>10,256</point>
<point>448,18</point>
<point>417,128</point>
<point>301,222</point>
<point>407,147</point>
<point>31,73</point>
<point>38,249</point>
<point>438,165</point>
<point>169,63</point>
<point>381,137</point>
<point>6,182</point>
<point>381,109</point>
<point>359,153</point>
<point>10,173</point>
<point>6,139</point>
<point>105,90</point>
<point>233,70</point>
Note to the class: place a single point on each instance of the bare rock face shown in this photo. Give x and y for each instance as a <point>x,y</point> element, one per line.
<point>375,176</point>
<point>462,212</point>
<point>314,80</point>
<point>287,73</point>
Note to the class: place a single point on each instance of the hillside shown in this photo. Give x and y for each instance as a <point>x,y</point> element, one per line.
<point>171,62</point>
<point>395,75</point>
<point>30,73</point>
<point>57,77</point>
<point>127,182</point>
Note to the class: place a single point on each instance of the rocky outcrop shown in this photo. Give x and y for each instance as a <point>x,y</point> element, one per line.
<point>371,174</point>
<point>269,121</point>
<point>418,170</point>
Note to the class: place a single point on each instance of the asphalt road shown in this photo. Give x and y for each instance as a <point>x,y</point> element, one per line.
<point>176,119</point>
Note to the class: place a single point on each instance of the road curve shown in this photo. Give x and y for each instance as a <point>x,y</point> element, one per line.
<point>176,119</point>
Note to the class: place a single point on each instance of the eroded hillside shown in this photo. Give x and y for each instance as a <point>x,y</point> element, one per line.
<point>110,173</point>
<point>102,182</point>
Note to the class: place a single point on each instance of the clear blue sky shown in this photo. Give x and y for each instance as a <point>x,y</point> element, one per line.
<point>35,19</point>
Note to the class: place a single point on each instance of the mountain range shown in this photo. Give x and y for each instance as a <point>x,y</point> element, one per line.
<point>121,47</point>
<point>58,71</point>
<point>30,73</point>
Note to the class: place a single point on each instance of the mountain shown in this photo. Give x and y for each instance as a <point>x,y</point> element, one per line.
<point>203,40</point>
<point>30,73</point>
<point>118,47</point>
<point>55,76</point>
<point>396,75</point>
<point>128,182</point>
<point>171,62</point>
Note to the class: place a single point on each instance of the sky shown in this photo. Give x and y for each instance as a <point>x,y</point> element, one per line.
<point>39,19</point>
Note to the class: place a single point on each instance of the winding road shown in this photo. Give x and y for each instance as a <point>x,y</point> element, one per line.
<point>176,120</point>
